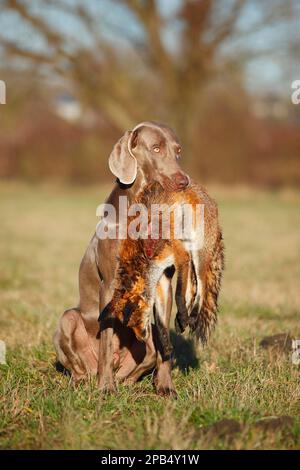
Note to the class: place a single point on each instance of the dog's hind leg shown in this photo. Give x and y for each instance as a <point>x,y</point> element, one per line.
<point>140,360</point>
<point>73,347</point>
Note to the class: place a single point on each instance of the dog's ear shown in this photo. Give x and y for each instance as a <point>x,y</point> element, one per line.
<point>122,163</point>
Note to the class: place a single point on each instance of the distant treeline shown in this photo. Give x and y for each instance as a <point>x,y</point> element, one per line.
<point>72,95</point>
<point>229,145</point>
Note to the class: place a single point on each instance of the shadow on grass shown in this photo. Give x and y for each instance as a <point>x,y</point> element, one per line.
<point>185,356</point>
<point>60,368</point>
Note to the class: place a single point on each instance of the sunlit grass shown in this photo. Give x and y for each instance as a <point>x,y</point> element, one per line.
<point>43,234</point>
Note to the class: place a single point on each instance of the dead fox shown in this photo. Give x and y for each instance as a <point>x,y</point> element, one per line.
<point>198,260</point>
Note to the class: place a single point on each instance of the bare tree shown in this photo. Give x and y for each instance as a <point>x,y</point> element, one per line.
<point>140,75</point>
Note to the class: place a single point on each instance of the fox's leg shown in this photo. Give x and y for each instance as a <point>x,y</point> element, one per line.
<point>162,314</point>
<point>186,290</point>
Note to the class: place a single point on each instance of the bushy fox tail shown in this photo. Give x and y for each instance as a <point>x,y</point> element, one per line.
<point>203,320</point>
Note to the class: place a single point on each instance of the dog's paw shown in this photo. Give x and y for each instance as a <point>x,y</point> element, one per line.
<point>166,392</point>
<point>107,386</point>
<point>164,386</point>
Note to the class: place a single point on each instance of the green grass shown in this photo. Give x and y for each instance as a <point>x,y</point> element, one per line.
<point>43,234</point>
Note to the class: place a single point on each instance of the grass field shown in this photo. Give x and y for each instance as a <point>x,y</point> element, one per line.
<point>225,392</point>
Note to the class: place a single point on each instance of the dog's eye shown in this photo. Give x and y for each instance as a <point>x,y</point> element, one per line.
<point>156,149</point>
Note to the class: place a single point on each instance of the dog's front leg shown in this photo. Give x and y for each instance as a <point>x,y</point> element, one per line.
<point>106,357</point>
<point>106,351</point>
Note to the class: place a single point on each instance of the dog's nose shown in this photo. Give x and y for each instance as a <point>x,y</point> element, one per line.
<point>181,181</point>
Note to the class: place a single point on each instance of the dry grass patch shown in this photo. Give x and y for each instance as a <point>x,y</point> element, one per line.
<point>43,234</point>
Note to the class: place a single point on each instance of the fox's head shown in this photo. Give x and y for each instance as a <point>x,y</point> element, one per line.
<point>133,297</point>
<point>131,306</point>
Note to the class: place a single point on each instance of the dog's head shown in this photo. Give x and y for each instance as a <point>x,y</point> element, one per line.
<point>154,150</point>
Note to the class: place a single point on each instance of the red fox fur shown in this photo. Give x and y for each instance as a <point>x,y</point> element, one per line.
<point>199,269</point>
